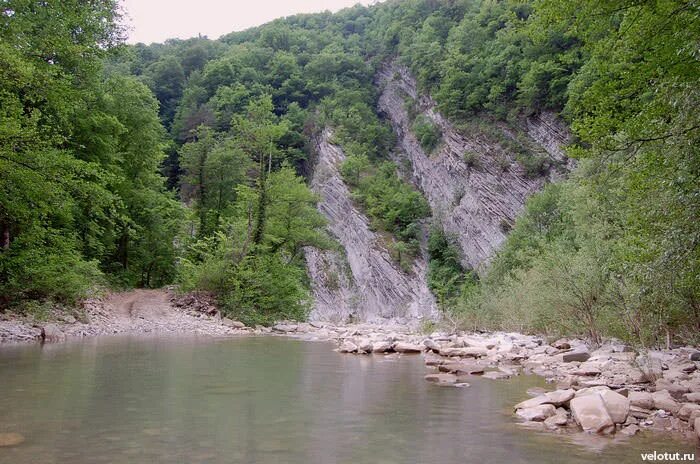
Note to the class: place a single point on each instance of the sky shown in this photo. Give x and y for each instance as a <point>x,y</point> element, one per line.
<point>156,20</point>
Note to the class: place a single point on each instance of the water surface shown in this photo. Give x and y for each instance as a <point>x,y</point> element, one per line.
<point>263,400</point>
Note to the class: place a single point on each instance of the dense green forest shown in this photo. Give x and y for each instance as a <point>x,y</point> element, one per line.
<point>186,162</point>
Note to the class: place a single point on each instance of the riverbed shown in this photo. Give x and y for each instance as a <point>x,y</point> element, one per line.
<point>266,400</point>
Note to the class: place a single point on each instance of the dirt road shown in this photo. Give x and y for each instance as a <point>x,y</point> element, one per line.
<point>133,312</point>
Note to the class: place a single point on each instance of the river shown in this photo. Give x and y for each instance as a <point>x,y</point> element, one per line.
<point>265,400</point>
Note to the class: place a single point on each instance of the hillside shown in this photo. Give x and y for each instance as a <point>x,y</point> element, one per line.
<point>531,166</point>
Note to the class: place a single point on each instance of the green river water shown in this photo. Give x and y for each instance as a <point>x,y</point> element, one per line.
<point>266,400</point>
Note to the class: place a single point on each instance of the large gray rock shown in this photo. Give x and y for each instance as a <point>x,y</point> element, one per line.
<point>441,378</point>
<point>695,356</point>
<point>617,405</point>
<point>404,347</point>
<point>382,346</point>
<point>536,413</point>
<point>687,410</point>
<point>284,328</point>
<point>578,355</point>
<point>590,413</point>
<point>559,397</point>
<point>692,397</point>
<point>641,399</point>
<point>664,400</point>
<point>462,368</point>
<point>364,345</point>
<point>231,323</point>
<point>675,389</point>
<point>347,347</point>
<point>467,352</point>
<point>431,345</point>
<point>557,420</point>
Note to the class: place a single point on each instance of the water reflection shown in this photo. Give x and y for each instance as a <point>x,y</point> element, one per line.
<point>261,400</point>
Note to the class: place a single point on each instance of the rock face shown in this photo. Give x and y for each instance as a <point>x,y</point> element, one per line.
<point>365,284</point>
<point>477,202</point>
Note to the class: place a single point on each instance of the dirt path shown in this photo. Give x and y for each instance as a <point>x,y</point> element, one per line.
<point>133,312</point>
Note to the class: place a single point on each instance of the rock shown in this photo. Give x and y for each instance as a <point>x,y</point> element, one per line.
<point>697,427</point>
<point>591,390</point>
<point>590,413</point>
<point>496,375</point>
<point>364,345</point>
<point>69,319</point>
<point>676,390</point>
<point>572,356</point>
<point>441,378</point>
<point>532,402</point>
<point>347,347</point>
<point>431,345</point>
<point>461,368</point>
<point>687,410</point>
<point>467,352</point>
<point>557,420</point>
<point>382,347</point>
<point>641,399</point>
<point>663,400</point>
<point>630,430</point>
<point>11,439</point>
<point>284,328</point>
<point>695,356</point>
<point>404,347</point>
<point>617,405</point>
<point>562,344</point>
<point>588,368</point>
<point>51,333</point>
<point>651,367</point>
<point>231,323</point>
<point>639,413</point>
<point>559,397</point>
<point>692,397</point>
<point>536,413</point>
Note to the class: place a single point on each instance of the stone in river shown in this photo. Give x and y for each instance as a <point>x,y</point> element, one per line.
<point>347,347</point>
<point>557,420</point>
<point>441,378</point>
<point>536,413</point>
<point>590,413</point>
<point>404,347</point>
<point>382,347</point>
<point>617,405</point>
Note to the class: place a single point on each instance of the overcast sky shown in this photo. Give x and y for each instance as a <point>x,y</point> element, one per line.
<point>157,20</point>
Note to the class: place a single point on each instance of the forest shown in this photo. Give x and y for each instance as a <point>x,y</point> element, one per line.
<point>187,162</point>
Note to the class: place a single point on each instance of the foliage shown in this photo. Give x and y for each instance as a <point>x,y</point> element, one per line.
<point>427,133</point>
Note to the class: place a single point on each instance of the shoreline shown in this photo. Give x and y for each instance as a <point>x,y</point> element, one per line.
<point>606,391</point>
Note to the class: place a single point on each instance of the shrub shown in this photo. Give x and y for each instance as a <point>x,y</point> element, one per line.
<point>427,132</point>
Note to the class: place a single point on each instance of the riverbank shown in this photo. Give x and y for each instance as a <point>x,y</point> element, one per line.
<point>134,312</point>
<point>606,390</point>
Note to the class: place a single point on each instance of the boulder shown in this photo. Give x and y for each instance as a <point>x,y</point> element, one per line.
<point>692,397</point>
<point>572,356</point>
<point>382,346</point>
<point>467,352</point>
<point>11,439</point>
<point>588,368</point>
<point>641,399</point>
<point>347,347</point>
<point>559,419</point>
<point>695,356</point>
<point>559,397</point>
<point>431,345</point>
<point>562,344</point>
<point>639,413</point>
<point>651,367</point>
<point>364,345</point>
<point>231,323</point>
<point>591,390</point>
<point>461,368</point>
<point>404,347</point>
<point>441,378</point>
<point>687,410</point>
<point>663,400</point>
<point>617,405</point>
<point>590,413</point>
<point>536,413</point>
<point>630,430</point>
<point>284,328</point>
<point>676,390</point>
<point>532,402</point>
<point>496,375</point>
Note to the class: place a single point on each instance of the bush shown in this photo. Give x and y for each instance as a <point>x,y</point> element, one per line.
<point>427,132</point>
